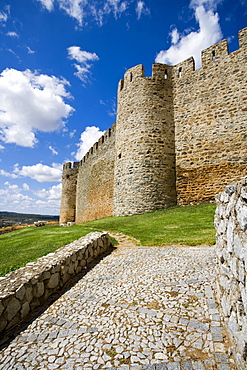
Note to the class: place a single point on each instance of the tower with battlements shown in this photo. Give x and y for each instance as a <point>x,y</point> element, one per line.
<point>179,138</point>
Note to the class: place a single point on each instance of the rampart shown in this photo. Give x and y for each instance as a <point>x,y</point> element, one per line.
<point>231,226</point>
<point>27,288</point>
<point>94,197</point>
<point>210,106</point>
<point>179,138</point>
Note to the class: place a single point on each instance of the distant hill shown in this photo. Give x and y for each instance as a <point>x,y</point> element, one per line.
<point>10,218</point>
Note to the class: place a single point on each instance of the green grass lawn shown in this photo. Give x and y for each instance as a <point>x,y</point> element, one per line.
<point>190,225</point>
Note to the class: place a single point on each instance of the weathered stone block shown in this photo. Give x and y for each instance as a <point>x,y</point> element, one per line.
<point>20,292</point>
<point>55,268</point>
<point>65,278</point>
<point>90,250</point>
<point>83,263</point>
<point>25,310</point>
<point>73,257</point>
<point>35,303</point>
<point>54,281</point>
<point>3,323</point>
<point>13,307</point>
<point>71,270</point>
<point>46,275</point>
<point>38,290</point>
<point>241,210</point>
<point>29,293</point>
<point>15,320</point>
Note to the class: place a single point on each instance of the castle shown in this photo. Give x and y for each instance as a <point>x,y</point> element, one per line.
<point>179,138</point>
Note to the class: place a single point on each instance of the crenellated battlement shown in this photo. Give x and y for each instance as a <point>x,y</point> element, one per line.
<point>97,146</point>
<point>214,53</point>
<point>179,137</point>
<point>70,166</point>
<point>209,58</point>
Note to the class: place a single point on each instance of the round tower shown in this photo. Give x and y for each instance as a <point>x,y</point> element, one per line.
<point>68,200</point>
<point>144,176</point>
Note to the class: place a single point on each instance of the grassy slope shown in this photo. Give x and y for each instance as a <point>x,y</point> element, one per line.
<point>191,225</point>
<point>26,245</point>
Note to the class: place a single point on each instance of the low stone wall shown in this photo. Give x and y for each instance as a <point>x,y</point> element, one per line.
<point>23,290</point>
<point>231,226</point>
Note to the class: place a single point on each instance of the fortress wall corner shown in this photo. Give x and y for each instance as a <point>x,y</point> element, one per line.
<point>68,199</point>
<point>94,196</point>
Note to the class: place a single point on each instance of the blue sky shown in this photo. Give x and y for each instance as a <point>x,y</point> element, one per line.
<point>60,63</point>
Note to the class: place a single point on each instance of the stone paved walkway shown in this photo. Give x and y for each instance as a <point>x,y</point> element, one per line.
<point>147,308</point>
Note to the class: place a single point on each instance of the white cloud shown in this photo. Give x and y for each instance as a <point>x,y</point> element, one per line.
<point>3,17</point>
<point>45,110</point>
<point>30,51</point>
<point>48,4</point>
<point>190,44</point>
<point>141,9</point>
<point>72,133</point>
<point>41,172</point>
<point>81,10</point>
<point>12,34</point>
<point>2,147</point>
<point>174,36</point>
<point>54,152</point>
<point>53,193</point>
<point>87,140</point>
<point>12,199</point>
<point>85,59</point>
<point>25,186</point>
<point>7,174</point>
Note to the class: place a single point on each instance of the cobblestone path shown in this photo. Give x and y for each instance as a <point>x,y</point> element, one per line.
<point>147,308</point>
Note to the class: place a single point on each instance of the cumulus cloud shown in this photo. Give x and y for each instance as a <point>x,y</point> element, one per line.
<point>87,140</point>
<point>141,9</point>
<point>31,102</point>
<point>25,186</point>
<point>52,193</point>
<point>40,201</point>
<point>40,172</point>
<point>11,196</point>
<point>8,174</point>
<point>84,58</point>
<point>189,44</point>
<point>81,10</point>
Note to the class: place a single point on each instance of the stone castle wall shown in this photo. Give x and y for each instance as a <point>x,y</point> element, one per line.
<point>210,113</point>
<point>180,137</point>
<point>94,194</point>
<point>231,241</point>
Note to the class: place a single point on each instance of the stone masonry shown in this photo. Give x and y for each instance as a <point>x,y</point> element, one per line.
<point>139,308</point>
<point>231,225</point>
<point>29,287</point>
<point>179,138</point>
